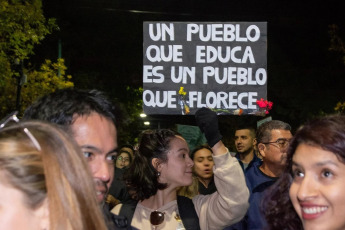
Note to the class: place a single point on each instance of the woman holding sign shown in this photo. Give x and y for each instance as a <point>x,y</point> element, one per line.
<point>162,165</point>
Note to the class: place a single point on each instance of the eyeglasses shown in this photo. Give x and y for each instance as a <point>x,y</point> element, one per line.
<point>156,218</point>
<point>120,158</point>
<point>13,117</point>
<point>281,142</point>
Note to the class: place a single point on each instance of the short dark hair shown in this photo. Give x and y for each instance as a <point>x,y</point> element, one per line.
<point>249,127</point>
<point>60,106</point>
<point>204,146</point>
<point>263,134</point>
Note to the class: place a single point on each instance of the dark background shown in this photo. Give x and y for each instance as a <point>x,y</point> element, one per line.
<point>102,47</point>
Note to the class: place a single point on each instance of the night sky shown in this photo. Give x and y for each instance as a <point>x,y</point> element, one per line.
<point>102,46</point>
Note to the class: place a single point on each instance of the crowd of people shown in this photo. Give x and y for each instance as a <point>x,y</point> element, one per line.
<point>61,168</point>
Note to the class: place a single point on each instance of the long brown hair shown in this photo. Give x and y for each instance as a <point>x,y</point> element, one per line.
<point>57,172</point>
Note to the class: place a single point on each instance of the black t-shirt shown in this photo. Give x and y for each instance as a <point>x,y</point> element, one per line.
<point>209,190</point>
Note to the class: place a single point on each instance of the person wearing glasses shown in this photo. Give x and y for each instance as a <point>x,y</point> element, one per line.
<point>162,165</point>
<point>310,192</point>
<point>123,159</point>
<point>118,192</point>
<point>273,139</point>
<point>44,180</point>
<point>89,117</point>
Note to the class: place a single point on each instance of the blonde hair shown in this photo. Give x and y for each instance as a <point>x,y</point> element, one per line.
<point>191,190</point>
<point>57,173</point>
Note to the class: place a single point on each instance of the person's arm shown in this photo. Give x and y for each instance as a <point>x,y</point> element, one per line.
<point>230,203</point>
<point>207,121</point>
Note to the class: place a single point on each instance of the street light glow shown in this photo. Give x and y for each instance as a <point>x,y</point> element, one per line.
<point>146,123</point>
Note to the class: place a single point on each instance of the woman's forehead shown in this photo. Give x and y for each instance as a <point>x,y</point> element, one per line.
<point>178,142</point>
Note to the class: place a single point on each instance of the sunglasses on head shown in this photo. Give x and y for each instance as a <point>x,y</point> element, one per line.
<point>13,118</point>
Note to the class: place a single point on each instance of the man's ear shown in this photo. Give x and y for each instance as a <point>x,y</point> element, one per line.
<point>262,149</point>
<point>42,213</point>
<point>254,141</point>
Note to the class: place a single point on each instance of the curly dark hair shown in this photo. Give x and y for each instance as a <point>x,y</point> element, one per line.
<point>141,177</point>
<point>327,133</point>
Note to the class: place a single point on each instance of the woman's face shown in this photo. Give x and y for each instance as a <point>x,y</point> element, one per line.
<point>203,164</point>
<point>14,213</point>
<point>177,171</point>
<point>122,160</point>
<point>317,190</point>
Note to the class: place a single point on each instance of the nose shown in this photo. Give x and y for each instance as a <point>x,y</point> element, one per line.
<point>307,189</point>
<point>102,171</point>
<point>190,162</point>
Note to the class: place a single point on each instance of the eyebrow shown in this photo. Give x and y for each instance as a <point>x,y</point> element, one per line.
<point>91,147</point>
<point>182,149</point>
<point>318,164</point>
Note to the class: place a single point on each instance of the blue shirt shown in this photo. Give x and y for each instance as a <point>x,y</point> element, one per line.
<point>257,183</point>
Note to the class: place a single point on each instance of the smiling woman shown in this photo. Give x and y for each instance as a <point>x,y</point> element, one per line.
<point>310,193</point>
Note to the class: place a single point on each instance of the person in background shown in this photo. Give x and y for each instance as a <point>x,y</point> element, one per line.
<point>203,169</point>
<point>310,192</point>
<point>123,159</point>
<point>89,117</point>
<point>129,148</point>
<point>44,180</point>
<point>273,138</point>
<point>118,192</point>
<point>245,142</point>
<point>162,164</point>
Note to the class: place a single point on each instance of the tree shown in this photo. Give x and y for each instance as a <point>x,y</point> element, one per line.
<point>337,46</point>
<point>50,77</point>
<point>22,26</point>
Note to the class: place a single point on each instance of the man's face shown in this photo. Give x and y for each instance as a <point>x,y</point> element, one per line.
<point>244,140</point>
<point>272,153</point>
<point>97,137</point>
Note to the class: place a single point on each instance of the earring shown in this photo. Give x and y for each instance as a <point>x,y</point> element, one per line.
<point>158,174</point>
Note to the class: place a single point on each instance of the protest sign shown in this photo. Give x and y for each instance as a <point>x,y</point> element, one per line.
<point>190,65</point>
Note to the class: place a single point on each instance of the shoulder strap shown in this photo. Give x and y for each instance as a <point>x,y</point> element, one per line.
<point>127,210</point>
<point>188,214</point>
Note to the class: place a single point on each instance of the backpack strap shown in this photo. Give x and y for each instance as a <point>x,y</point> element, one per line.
<point>127,210</point>
<point>188,214</point>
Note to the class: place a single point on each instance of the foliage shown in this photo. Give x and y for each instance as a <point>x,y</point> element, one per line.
<point>49,78</point>
<point>130,123</point>
<point>340,107</point>
<point>22,26</point>
<point>337,45</point>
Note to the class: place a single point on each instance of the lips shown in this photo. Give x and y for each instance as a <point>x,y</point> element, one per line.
<point>207,171</point>
<point>239,147</point>
<point>101,189</point>
<point>312,212</point>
